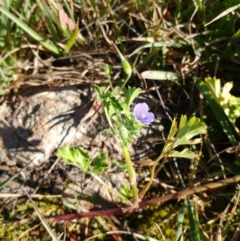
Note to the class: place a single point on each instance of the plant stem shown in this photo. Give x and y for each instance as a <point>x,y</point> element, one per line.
<point>125,82</point>
<point>132,174</point>
<point>165,152</point>
<point>147,186</point>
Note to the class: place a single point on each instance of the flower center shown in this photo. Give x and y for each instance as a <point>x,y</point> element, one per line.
<point>143,115</point>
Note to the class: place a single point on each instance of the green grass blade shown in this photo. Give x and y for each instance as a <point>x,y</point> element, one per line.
<point>47,44</point>
<point>68,8</point>
<point>165,44</point>
<point>224,13</point>
<point>43,220</point>
<point>180,219</point>
<point>194,230</point>
<point>5,182</point>
<point>72,40</point>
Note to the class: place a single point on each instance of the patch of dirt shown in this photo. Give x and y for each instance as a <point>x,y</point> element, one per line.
<point>42,119</point>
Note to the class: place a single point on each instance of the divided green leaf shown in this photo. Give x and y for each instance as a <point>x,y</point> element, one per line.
<point>99,163</point>
<point>75,156</point>
<point>184,136</point>
<point>130,94</point>
<point>188,129</point>
<point>186,153</point>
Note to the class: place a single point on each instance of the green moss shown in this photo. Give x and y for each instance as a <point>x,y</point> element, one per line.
<point>163,215</point>
<point>13,230</point>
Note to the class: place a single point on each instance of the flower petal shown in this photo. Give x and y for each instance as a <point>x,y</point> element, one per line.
<point>149,118</point>
<point>142,115</point>
<point>140,108</point>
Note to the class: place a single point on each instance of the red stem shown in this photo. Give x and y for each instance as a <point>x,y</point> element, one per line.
<point>143,204</point>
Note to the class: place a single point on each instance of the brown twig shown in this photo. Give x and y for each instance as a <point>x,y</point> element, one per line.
<point>143,204</point>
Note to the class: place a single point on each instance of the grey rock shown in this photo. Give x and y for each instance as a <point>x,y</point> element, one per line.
<point>40,124</point>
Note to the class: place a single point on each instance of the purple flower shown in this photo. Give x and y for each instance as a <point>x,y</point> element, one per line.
<point>141,113</point>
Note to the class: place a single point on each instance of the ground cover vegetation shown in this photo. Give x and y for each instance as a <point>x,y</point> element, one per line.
<point>183,57</point>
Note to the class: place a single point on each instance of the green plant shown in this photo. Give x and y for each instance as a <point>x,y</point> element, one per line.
<point>124,123</point>
<point>15,27</point>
